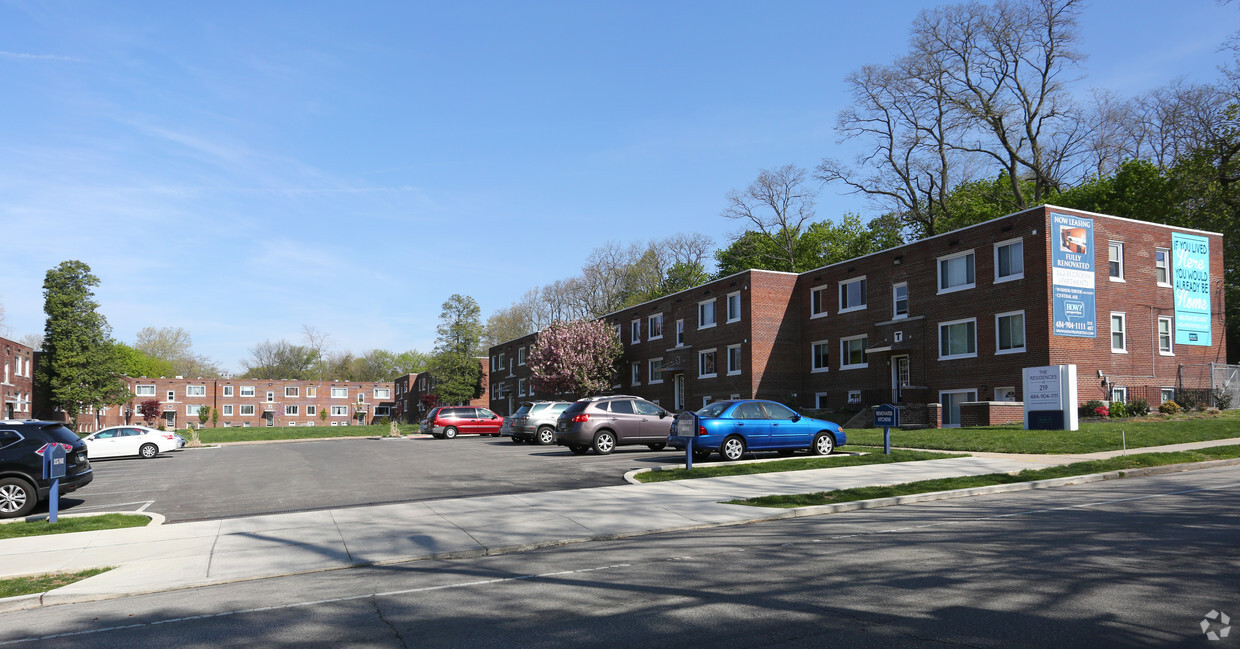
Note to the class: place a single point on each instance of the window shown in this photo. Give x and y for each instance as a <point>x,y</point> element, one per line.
<point>312,391</point>
<point>958,339</point>
<point>680,333</point>
<point>1010,332</point>
<point>852,352</point>
<point>820,355</point>
<point>338,411</point>
<point>1007,393</point>
<point>172,396</point>
<point>383,393</point>
<point>520,356</point>
<point>619,336</point>
<point>228,390</point>
<point>654,327</point>
<point>1119,393</point>
<point>227,410</point>
<point>144,390</point>
<point>1164,336</point>
<point>192,410</point>
<point>706,363</point>
<point>636,330</point>
<point>656,370</point>
<point>521,387</point>
<point>340,393</point>
<point>380,411</point>
<point>361,397</point>
<point>852,295</point>
<point>854,396</point>
<point>706,314</point>
<point>734,307</point>
<point>247,409</point>
<point>247,390</point>
<point>271,396</point>
<point>195,390</point>
<point>734,359</point>
<point>312,411</point>
<point>1009,260</point>
<point>818,301</point>
<point>1167,394</point>
<point>1115,260</point>
<point>899,300</point>
<point>956,272</point>
<point>1119,343</point>
<point>635,373</point>
<point>291,410</point>
<point>1162,259</point>
<point>292,392</point>
<point>820,401</point>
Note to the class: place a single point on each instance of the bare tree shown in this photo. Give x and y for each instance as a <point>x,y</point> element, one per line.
<point>317,341</point>
<point>278,360</point>
<point>174,345</point>
<point>33,341</point>
<point>777,203</point>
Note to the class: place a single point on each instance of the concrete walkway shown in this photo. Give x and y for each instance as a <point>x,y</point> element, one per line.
<point>182,555</point>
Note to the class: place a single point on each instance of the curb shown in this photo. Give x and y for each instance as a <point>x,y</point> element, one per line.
<point>156,519</point>
<point>630,476</point>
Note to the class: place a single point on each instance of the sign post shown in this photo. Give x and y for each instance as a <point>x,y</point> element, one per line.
<point>887,416</point>
<point>54,465</point>
<point>687,428</point>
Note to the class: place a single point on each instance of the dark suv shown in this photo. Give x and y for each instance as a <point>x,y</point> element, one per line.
<point>603,423</point>
<point>22,443</point>
<point>449,421</point>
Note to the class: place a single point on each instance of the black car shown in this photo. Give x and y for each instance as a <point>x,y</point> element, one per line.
<point>22,444</point>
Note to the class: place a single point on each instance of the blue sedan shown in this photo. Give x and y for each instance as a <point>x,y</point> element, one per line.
<point>732,427</point>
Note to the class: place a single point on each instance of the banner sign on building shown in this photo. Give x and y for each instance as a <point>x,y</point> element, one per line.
<point>1190,267</point>
<point>1072,276</point>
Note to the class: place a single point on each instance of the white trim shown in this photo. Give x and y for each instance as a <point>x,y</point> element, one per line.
<point>950,323</point>
<point>844,353</point>
<point>1023,342</point>
<point>635,373</point>
<point>1120,277</point>
<point>943,403</point>
<point>1167,258</point>
<point>813,356</point>
<point>202,393</point>
<point>728,360</point>
<point>1013,276</point>
<point>894,314</point>
<point>818,398</point>
<point>1170,351</point>
<point>650,380</point>
<point>227,390</point>
<point>703,353</point>
<point>865,298</point>
<point>242,412</point>
<point>138,390</point>
<point>1123,320</point>
<point>714,313</point>
<point>650,329</point>
<point>727,307</point>
<point>247,391</point>
<point>822,301</point>
<point>938,267</point>
<point>635,331</point>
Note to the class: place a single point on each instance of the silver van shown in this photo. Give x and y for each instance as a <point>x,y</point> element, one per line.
<point>534,422</point>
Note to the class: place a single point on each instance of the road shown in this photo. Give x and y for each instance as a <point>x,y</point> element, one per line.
<point>251,479</point>
<point>1125,563</point>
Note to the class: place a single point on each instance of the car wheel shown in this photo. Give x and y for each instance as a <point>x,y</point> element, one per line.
<point>449,432</point>
<point>824,443</point>
<point>148,451</point>
<point>578,449</point>
<point>658,447</point>
<point>604,442</point>
<point>701,454</point>
<point>546,435</point>
<point>732,448</point>
<point>17,498</point>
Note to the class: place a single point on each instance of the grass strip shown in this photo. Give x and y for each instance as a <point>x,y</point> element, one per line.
<point>75,524</point>
<point>265,433</point>
<point>14,586</point>
<point>1093,436</point>
<point>1142,460</point>
<point>820,462</point>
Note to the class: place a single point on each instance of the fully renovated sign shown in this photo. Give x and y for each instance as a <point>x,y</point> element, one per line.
<point>1072,276</point>
<point>1190,268</point>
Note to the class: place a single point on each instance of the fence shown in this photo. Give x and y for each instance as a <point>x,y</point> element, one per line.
<point>1215,384</point>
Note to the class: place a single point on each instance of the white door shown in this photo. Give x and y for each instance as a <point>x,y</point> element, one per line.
<point>951,405</point>
<point>678,392</point>
<point>899,377</point>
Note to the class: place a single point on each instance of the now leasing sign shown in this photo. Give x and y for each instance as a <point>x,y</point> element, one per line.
<point>1190,268</point>
<point>1072,276</point>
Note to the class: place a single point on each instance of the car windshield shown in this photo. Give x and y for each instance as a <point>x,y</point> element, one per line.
<point>576,407</point>
<point>714,409</point>
<point>523,410</point>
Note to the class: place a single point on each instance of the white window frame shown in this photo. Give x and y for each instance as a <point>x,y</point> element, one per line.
<point>340,411</point>
<point>1121,391</point>
<point>1165,268</point>
<point>706,401</point>
<point>311,411</point>
<point>714,314</point>
<point>680,333</point>
<point>521,355</point>
<point>292,391</point>
<point>521,387</point>
<point>340,393</point>
<point>813,356</point>
<point>191,409</point>
<point>844,344</point>
<point>382,393</point>
<point>728,359</point>
<point>195,390</point>
<point>1001,392</point>
<point>247,407</point>
<point>654,323</point>
<point>818,301</point>
<point>144,390</point>
<point>1119,247</point>
<point>227,390</point>
<point>1123,332</point>
<point>226,410</point>
<point>312,391</point>
<point>654,375</point>
<point>1169,336</point>
<point>998,326</point>
<point>895,301</point>
<point>172,395</point>
<point>701,357</point>
<point>820,401</point>
<point>968,254</point>
<point>248,391</point>
<point>732,316</point>
<point>999,279</point>
<point>635,331</point>
<point>865,298</point>
<point>1166,394</point>
<point>271,396</point>
<point>292,410</point>
<point>854,396</point>
<point>953,323</point>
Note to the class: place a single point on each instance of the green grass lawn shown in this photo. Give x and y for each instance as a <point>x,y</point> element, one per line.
<point>75,524</point>
<point>1093,435</point>
<point>706,470</point>
<point>1028,475</point>
<point>262,433</point>
<point>15,586</point>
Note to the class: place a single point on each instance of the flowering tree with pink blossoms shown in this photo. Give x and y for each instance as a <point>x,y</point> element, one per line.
<point>576,357</point>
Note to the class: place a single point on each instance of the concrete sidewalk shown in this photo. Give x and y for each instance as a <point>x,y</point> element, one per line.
<point>182,555</point>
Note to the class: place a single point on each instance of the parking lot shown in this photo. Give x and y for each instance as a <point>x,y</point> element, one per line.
<point>249,479</point>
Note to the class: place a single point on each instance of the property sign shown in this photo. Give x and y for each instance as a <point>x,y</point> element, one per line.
<point>886,416</point>
<point>1072,276</point>
<point>1190,268</point>
<point>1051,390</point>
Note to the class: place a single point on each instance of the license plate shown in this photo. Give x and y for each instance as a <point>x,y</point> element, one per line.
<point>562,427</point>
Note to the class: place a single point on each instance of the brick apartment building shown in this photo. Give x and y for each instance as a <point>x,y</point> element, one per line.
<point>412,391</point>
<point>949,319</point>
<point>17,388</point>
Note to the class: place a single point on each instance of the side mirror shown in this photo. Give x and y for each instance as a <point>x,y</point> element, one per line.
<point>796,418</point>
<point>662,414</point>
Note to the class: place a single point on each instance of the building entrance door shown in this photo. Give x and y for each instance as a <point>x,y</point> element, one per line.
<point>678,392</point>
<point>899,377</point>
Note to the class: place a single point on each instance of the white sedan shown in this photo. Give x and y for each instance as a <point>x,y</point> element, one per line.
<point>129,441</point>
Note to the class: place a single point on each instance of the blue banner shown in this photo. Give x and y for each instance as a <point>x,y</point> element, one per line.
<point>1072,276</point>
<point>1190,267</point>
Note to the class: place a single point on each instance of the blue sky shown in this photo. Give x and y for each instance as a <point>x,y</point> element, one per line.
<point>244,169</point>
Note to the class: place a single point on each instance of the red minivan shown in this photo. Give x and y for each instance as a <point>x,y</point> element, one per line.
<point>446,422</point>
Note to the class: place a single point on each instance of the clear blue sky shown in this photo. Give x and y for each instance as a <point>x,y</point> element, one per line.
<point>243,169</point>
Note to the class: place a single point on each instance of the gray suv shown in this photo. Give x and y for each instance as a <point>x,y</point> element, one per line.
<point>603,423</point>
<point>534,422</point>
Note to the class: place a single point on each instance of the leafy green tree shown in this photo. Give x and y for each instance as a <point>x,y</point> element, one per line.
<point>80,368</point>
<point>577,358</point>
<point>204,415</point>
<point>215,417</point>
<point>455,367</point>
<point>820,243</point>
<point>134,363</point>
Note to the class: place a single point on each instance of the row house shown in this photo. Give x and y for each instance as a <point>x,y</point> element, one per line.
<point>950,319</point>
<point>415,394</point>
<point>259,402</point>
<point>17,388</point>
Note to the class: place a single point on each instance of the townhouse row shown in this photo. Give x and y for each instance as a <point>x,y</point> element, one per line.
<point>949,319</point>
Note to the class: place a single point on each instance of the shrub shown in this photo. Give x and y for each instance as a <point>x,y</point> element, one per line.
<point>1102,411</point>
<point>1138,408</point>
<point>1169,408</point>
<point>1090,409</point>
<point>1222,399</point>
<point>1187,399</point>
<point>1119,409</point>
